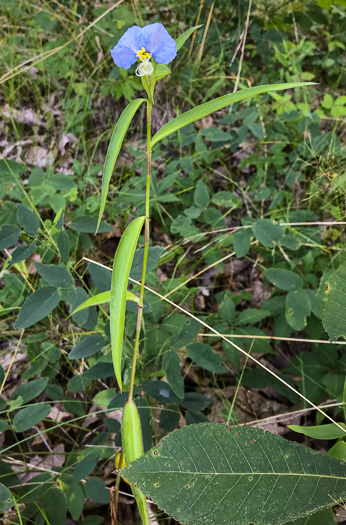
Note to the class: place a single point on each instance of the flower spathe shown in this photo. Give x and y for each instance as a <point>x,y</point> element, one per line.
<point>144,42</point>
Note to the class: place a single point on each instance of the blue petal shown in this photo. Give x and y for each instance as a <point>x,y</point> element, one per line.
<point>124,53</point>
<point>159,43</point>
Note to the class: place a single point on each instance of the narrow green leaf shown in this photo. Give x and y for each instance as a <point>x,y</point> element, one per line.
<point>103,298</point>
<point>119,132</point>
<point>329,431</point>
<point>121,271</point>
<point>218,103</point>
<point>334,304</point>
<point>180,41</point>
<point>211,474</point>
<point>37,306</point>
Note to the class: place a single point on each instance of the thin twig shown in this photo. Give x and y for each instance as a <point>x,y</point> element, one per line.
<point>197,23</point>
<point>243,46</point>
<point>12,360</point>
<point>201,49</point>
<point>271,337</point>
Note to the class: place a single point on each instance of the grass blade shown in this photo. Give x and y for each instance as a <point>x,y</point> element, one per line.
<point>103,298</point>
<point>180,41</point>
<point>113,150</point>
<point>218,103</point>
<point>120,276</point>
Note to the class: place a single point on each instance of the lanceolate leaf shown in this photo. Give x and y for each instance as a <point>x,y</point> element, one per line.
<point>334,304</point>
<point>210,474</point>
<point>328,431</point>
<point>119,133</point>
<point>180,41</point>
<point>103,298</point>
<point>121,271</point>
<point>218,103</point>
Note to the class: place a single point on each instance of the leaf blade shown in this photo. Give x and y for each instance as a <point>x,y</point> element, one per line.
<point>180,41</point>
<point>37,306</point>
<point>115,144</point>
<point>121,271</point>
<point>205,109</point>
<point>334,304</point>
<point>103,298</point>
<point>236,470</point>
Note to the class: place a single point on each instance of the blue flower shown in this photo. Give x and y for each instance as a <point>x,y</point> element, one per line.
<point>143,43</point>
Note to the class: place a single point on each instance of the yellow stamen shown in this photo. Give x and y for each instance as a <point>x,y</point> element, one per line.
<point>143,54</point>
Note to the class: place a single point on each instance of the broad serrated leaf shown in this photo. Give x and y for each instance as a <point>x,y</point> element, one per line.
<point>334,304</point>
<point>322,517</point>
<point>203,110</point>
<point>115,144</point>
<point>120,276</point>
<point>208,473</point>
<point>37,306</point>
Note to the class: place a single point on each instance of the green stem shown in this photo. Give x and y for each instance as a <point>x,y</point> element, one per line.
<point>146,248</point>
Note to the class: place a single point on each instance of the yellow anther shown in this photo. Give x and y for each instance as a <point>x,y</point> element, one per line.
<point>143,54</point>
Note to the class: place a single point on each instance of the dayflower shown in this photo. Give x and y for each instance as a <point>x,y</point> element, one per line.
<point>152,41</point>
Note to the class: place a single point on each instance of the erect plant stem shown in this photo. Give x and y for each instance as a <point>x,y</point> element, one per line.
<point>146,248</point>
